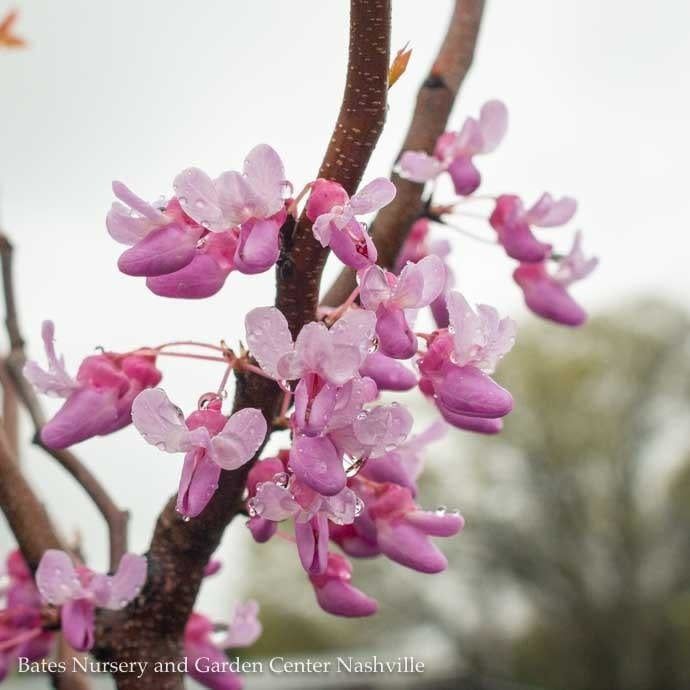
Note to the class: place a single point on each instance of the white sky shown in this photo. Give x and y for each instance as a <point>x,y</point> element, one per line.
<point>599,106</point>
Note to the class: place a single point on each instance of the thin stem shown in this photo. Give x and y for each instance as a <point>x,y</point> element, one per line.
<point>339,311</point>
<point>224,380</point>
<point>468,233</point>
<point>19,639</point>
<point>191,343</point>
<point>188,355</point>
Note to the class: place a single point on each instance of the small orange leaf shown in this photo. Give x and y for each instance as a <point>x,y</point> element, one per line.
<point>8,39</point>
<point>399,65</point>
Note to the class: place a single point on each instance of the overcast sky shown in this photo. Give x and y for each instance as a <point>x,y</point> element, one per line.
<point>599,106</point>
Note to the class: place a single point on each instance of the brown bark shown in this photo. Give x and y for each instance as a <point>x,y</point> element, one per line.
<point>434,104</point>
<point>151,627</point>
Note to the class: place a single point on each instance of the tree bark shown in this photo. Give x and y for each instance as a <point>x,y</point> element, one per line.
<point>435,102</point>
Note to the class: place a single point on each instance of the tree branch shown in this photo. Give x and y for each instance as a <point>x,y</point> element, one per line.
<point>152,626</point>
<point>435,101</point>
<point>13,365</point>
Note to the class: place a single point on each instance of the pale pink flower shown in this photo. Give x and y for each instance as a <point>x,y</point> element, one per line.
<point>454,151</point>
<point>79,591</point>
<point>211,442</point>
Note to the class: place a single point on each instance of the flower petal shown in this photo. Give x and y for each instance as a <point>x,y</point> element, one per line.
<point>127,581</point>
<point>268,337</point>
<point>373,196</point>
<point>56,578</point>
<point>77,617</point>
<point>317,464</point>
<point>493,123</point>
<point>266,175</point>
<point>418,166</point>
<point>240,438</point>
<point>198,197</point>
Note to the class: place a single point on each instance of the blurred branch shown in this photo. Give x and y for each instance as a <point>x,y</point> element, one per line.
<point>179,551</point>
<point>13,365</point>
<point>435,101</point>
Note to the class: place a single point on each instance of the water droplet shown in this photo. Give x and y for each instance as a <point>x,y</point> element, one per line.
<point>441,511</point>
<point>160,445</point>
<point>455,512</point>
<point>374,346</point>
<point>359,506</point>
<point>186,518</point>
<point>361,416</point>
<point>200,203</point>
<point>282,479</point>
<point>205,224</point>
<point>201,243</point>
<point>286,189</point>
<point>182,199</point>
<point>123,602</point>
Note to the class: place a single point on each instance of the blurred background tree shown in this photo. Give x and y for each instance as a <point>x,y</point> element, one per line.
<point>574,570</point>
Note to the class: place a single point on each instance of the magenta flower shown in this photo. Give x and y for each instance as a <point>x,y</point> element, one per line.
<point>512,222</point>
<point>285,497</point>
<point>392,524</point>
<point>395,300</point>
<point>189,247</point>
<point>79,591</point>
<point>455,369</point>
<point>99,400</point>
<point>336,595</point>
<point>211,442</point>
<point>454,151</point>
<point>546,293</point>
<point>334,213</point>
<point>21,632</point>
<point>203,650</point>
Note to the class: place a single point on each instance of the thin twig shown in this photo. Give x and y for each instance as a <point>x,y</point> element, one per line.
<point>116,519</point>
<point>435,101</point>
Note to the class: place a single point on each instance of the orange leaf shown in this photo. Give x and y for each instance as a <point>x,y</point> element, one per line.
<point>8,39</point>
<point>399,65</point>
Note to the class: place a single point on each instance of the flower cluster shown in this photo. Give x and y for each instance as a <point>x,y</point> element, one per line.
<point>545,290</point>
<point>186,246</point>
<point>346,481</point>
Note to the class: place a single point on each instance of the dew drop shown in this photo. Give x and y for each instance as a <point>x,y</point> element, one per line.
<point>361,416</point>
<point>286,189</point>
<point>441,511</point>
<point>281,479</point>
<point>186,518</point>
<point>201,243</point>
<point>182,199</point>
<point>359,506</point>
<point>200,203</point>
<point>205,224</point>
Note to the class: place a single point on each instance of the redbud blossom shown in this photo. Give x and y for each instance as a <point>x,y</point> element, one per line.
<point>79,591</point>
<point>454,151</point>
<point>99,400</point>
<point>512,222</point>
<point>546,292</point>
<point>211,442</point>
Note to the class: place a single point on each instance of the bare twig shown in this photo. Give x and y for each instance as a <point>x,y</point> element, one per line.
<point>26,515</point>
<point>13,364</point>
<point>434,104</point>
<point>152,626</point>
<point>10,410</point>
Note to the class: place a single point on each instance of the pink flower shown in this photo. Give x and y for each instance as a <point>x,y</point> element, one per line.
<point>203,650</point>
<point>334,354</point>
<point>455,369</point>
<point>188,247</point>
<point>403,465</point>
<point>512,222</point>
<point>336,595</point>
<point>333,214</point>
<point>99,400</point>
<point>395,300</point>
<point>546,293</point>
<point>211,442</point>
<point>79,591</point>
<point>454,151</point>
<point>392,524</point>
<point>286,497</point>
<point>21,633</point>
<point>417,246</point>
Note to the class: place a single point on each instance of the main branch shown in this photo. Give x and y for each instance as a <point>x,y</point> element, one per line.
<point>435,101</point>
